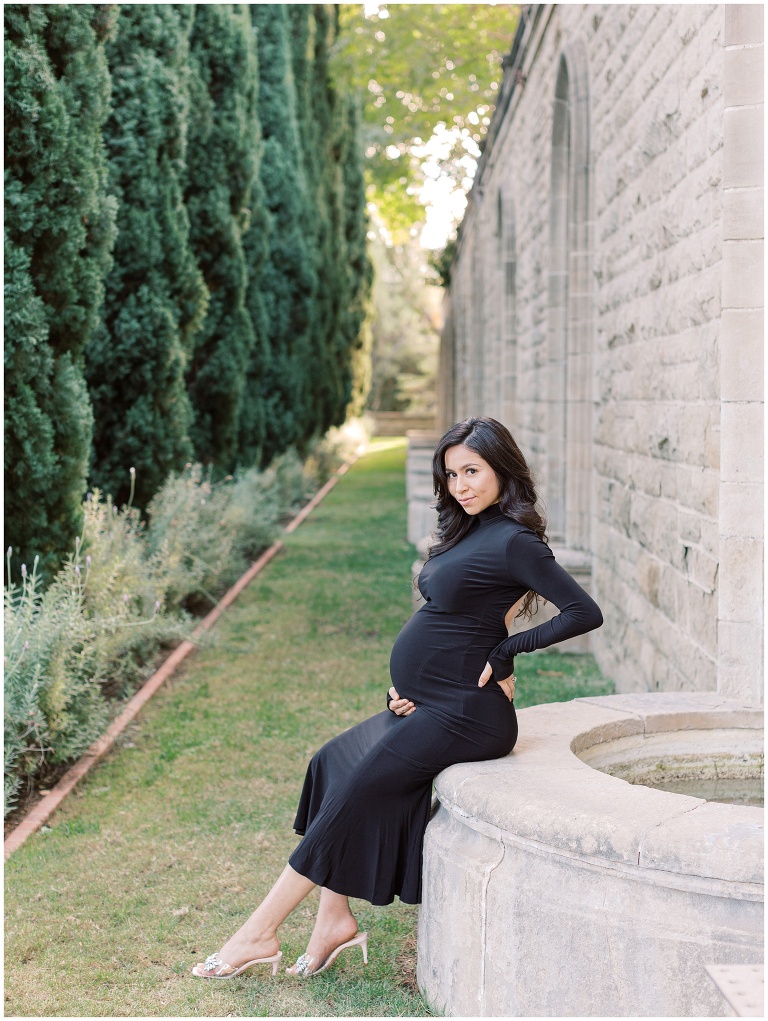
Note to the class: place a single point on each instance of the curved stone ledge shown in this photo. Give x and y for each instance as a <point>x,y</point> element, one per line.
<point>552,889</point>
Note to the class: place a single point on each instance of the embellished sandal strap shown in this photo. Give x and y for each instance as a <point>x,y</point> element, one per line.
<point>214,961</point>
<point>304,965</point>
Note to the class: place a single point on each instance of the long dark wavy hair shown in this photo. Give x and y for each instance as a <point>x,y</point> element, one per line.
<point>517,493</point>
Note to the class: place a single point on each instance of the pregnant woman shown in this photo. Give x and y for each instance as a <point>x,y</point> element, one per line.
<point>366,797</point>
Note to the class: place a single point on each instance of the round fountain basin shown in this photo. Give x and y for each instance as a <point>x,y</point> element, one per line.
<point>722,764</point>
<point>554,888</point>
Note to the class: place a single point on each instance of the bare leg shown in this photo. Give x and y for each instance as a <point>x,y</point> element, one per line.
<point>258,936</point>
<point>335,924</point>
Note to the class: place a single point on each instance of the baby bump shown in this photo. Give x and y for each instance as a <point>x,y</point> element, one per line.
<point>437,658</point>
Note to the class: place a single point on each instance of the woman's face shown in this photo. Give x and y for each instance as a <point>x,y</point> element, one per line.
<point>471,480</point>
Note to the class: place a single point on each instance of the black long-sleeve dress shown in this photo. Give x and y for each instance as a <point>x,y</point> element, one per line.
<point>366,797</point>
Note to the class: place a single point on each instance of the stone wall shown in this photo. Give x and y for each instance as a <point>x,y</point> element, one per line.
<point>609,265</point>
<point>742,341</point>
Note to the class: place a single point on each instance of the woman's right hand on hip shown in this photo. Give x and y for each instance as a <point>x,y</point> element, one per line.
<point>399,706</point>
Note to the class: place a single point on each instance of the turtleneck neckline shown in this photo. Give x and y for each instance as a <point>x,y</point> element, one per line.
<point>494,511</point>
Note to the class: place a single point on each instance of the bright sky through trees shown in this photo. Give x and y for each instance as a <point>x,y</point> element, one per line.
<point>429,74</point>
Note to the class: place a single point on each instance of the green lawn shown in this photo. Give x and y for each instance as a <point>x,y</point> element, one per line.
<point>170,842</point>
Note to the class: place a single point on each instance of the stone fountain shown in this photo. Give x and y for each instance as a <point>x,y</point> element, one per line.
<point>558,883</point>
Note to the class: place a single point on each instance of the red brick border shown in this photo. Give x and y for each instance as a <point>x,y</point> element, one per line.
<point>42,811</point>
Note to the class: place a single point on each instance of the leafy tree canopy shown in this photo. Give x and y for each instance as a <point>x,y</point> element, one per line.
<point>430,73</point>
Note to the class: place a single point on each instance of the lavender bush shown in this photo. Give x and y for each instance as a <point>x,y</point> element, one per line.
<point>128,590</point>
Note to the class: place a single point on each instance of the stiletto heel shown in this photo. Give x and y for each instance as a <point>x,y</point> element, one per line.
<point>215,964</point>
<point>304,967</point>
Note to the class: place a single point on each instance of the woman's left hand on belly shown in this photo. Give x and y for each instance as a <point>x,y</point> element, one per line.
<point>507,685</point>
<point>400,706</point>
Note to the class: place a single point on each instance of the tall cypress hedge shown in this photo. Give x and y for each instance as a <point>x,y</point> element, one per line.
<point>222,160</point>
<point>195,254</point>
<point>59,231</point>
<point>155,296</point>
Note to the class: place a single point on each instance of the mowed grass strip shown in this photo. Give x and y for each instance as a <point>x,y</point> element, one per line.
<point>170,843</point>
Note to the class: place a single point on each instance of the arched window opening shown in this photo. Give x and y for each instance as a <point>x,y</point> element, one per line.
<point>569,333</point>
<point>478,345</point>
<point>507,363</point>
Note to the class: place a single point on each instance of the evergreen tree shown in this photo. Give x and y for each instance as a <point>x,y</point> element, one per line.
<point>332,167</point>
<point>287,279</point>
<point>155,297</point>
<point>355,337</point>
<point>315,115</point>
<point>222,159</point>
<point>252,425</point>
<point>59,234</point>
<point>349,343</point>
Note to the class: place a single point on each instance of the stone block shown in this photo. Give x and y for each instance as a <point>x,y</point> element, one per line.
<point>710,832</point>
<point>670,593</point>
<point>669,478</point>
<point>740,680</point>
<point>712,439</point>
<point>744,24</point>
<point>648,575</point>
<point>743,210</point>
<point>743,274</point>
<point>740,660</point>
<point>688,526</point>
<point>710,537</point>
<point>741,579</point>
<point>422,520</point>
<point>645,475</point>
<point>697,488</point>
<point>554,923</point>
<point>693,666</point>
<point>650,520</point>
<point>715,134</point>
<point>742,328</point>
<point>741,509</point>
<point>697,141</point>
<point>743,147</point>
<point>681,710</point>
<point>596,816</point>
<point>743,77</point>
<point>700,568</point>
<point>742,355</point>
<point>458,975</point>
<point>681,431</point>
<point>581,715</point>
<point>675,382</point>
<point>699,615</point>
<point>741,447</point>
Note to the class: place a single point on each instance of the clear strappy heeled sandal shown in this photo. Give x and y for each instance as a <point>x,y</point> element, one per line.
<point>214,967</point>
<point>305,966</point>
